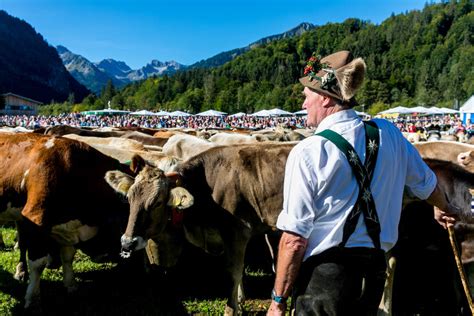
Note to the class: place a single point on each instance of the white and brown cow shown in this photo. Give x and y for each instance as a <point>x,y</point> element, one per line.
<point>65,202</point>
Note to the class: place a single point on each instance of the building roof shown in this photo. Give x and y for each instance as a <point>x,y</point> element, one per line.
<point>468,106</point>
<point>21,97</point>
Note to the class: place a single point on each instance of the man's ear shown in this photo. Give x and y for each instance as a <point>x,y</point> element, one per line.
<point>327,101</point>
<point>119,181</point>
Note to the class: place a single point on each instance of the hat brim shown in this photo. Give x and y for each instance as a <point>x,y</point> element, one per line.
<point>316,85</point>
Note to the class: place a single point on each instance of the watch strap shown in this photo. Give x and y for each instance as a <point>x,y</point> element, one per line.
<point>278,299</point>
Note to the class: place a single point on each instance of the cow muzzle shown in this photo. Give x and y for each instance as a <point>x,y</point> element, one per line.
<point>130,244</point>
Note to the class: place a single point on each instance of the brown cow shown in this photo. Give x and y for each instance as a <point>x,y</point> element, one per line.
<point>59,185</point>
<point>237,194</point>
<point>454,152</point>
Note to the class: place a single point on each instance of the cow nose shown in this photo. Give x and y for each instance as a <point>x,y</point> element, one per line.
<point>128,244</point>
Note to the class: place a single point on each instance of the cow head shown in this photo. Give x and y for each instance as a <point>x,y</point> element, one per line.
<point>466,160</point>
<point>154,200</point>
<point>456,183</point>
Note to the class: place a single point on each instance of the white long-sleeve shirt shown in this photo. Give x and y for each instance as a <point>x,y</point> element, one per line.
<point>320,188</point>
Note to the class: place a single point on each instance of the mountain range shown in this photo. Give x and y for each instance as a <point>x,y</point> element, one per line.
<point>30,67</point>
<point>95,75</point>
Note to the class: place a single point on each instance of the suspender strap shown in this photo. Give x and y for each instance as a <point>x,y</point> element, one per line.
<point>363,172</point>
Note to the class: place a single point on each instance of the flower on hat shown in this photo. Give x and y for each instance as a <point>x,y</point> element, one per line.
<point>314,65</point>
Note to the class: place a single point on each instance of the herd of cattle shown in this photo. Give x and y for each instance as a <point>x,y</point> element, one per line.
<point>121,190</point>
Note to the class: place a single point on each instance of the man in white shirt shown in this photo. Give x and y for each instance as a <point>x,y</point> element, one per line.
<point>343,194</point>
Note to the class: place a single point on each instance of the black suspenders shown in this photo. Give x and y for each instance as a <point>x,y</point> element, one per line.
<point>363,173</point>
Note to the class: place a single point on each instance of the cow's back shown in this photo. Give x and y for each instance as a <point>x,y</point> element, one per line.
<point>245,180</point>
<point>61,179</point>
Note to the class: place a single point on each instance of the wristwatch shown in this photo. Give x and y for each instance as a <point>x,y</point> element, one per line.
<point>278,299</point>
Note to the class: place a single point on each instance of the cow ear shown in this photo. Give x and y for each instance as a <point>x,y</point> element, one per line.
<point>180,198</point>
<point>174,179</point>
<point>119,181</point>
<point>137,164</point>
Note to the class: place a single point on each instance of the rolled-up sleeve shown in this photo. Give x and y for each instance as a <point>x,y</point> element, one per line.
<point>420,179</point>
<point>298,211</point>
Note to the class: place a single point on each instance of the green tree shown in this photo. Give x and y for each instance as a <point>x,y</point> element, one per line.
<point>108,92</point>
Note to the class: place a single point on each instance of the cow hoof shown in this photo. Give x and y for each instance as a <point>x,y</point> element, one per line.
<point>33,305</point>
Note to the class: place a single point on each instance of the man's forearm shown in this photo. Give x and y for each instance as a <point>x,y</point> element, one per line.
<point>290,255</point>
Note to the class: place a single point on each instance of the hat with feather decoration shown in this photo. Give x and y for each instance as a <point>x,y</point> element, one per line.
<point>338,75</point>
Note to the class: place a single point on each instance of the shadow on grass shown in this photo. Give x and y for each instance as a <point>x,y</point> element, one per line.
<point>125,289</point>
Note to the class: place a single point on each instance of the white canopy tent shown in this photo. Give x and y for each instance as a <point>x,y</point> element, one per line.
<point>301,112</point>
<point>418,109</point>
<point>467,110</point>
<point>239,114</point>
<point>449,111</point>
<point>108,111</point>
<point>395,110</point>
<point>143,112</point>
<point>261,113</point>
<point>179,113</point>
<point>162,113</point>
<point>211,113</point>
<point>279,112</point>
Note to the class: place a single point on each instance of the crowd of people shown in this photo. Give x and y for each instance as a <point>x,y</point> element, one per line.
<point>450,124</point>
<point>197,122</point>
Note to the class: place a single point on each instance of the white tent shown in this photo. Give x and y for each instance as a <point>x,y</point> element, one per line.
<point>162,113</point>
<point>418,109</point>
<point>239,114</point>
<point>449,111</point>
<point>108,111</point>
<point>467,110</point>
<point>212,113</point>
<point>279,112</point>
<point>179,113</point>
<point>301,112</point>
<point>143,112</point>
<point>398,109</point>
<point>436,111</point>
<point>261,113</point>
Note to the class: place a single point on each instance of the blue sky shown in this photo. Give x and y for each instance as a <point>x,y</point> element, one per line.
<point>137,31</point>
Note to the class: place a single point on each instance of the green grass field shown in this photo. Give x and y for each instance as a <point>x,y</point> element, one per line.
<point>195,287</point>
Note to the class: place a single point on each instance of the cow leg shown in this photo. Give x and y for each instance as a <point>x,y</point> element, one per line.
<point>385,307</point>
<point>67,256</point>
<point>235,266</point>
<point>33,290</point>
<point>21,273</point>
<point>2,242</point>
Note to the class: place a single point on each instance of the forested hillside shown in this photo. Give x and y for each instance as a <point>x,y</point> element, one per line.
<point>416,58</point>
<point>32,68</point>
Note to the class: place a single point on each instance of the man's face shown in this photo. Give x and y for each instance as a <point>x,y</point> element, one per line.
<point>313,103</point>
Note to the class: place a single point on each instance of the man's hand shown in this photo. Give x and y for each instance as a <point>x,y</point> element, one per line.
<point>276,309</point>
<point>443,218</point>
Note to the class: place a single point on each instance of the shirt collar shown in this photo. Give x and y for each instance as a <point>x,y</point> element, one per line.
<point>337,118</point>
